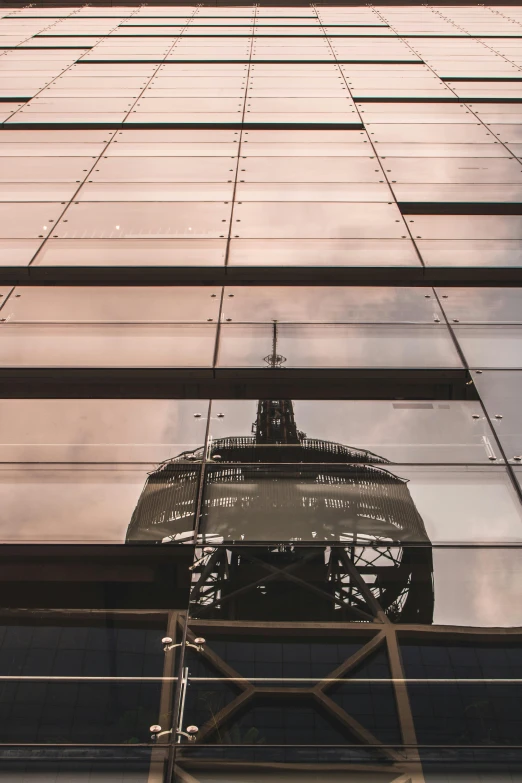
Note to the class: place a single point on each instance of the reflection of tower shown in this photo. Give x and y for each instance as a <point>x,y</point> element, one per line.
<point>279,486</point>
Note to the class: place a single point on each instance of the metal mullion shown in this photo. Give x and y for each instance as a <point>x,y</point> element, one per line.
<point>233,197</point>
<point>201,485</point>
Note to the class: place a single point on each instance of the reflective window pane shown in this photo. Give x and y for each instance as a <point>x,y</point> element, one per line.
<point>97,430</point>
<point>316,219</point>
<point>482,305</point>
<point>330,305</point>
<point>106,345</point>
<point>87,504</point>
<point>338,346</point>
<point>97,304</point>
<point>444,505</point>
<point>500,393</point>
<point>343,430</point>
<point>491,346</point>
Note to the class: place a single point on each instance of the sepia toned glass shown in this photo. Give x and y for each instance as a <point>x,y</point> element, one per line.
<point>260,348</point>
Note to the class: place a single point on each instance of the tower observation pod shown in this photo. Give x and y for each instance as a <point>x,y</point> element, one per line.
<point>283,491</point>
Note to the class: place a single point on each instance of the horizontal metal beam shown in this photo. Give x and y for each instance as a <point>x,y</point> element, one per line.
<point>152,383</point>
<point>265,275</point>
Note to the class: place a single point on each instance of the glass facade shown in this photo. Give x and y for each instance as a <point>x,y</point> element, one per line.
<point>260,384</point>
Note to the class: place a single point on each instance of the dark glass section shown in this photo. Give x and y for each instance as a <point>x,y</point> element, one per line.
<point>311,764</point>
<point>370,703</point>
<point>78,712</point>
<point>473,697</point>
<point>107,764</point>
<point>208,698</point>
<point>462,659</point>
<point>270,653</point>
<point>273,715</point>
<point>112,647</point>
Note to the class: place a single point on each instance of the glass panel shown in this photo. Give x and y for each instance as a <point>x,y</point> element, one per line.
<point>165,169</point>
<point>274,715</point>
<point>27,220</point>
<point>506,133</point>
<point>157,191</point>
<point>303,585</point>
<point>475,714</point>
<point>361,763</point>
<point>274,655</point>
<point>191,105</point>
<point>106,345</point>
<point>132,252</point>
<point>147,220</point>
<point>359,503</point>
<point>469,252</point>
<point>323,252</point>
<point>339,346</point>
<point>302,149</point>
<point>317,219</point>
<point>45,169</point>
<point>170,149</point>
<point>491,346</point>
<point>457,170</point>
<point>67,148</point>
<point>311,191</point>
<point>102,645</point>
<point>62,138</point>
<point>287,104</point>
<point>178,136</point>
<point>79,712</point>
<point>85,504</point>
<point>47,104</point>
<point>500,393</point>
<point>51,119</point>
<point>36,191</point>
<point>463,587</point>
<point>374,118</point>
<point>438,133</point>
<point>133,762</point>
<point>73,82</point>
<point>113,304</point>
<point>346,430</point>
<point>466,226</point>
<point>17,252</point>
<point>327,169</point>
<point>442,150</point>
<point>482,305</point>
<point>94,430</point>
<point>477,587</point>
<point>322,304</point>
<point>4,291</point>
<point>471,194</point>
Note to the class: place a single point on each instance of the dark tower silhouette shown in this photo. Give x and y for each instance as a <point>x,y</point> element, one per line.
<point>275,422</point>
<point>277,486</point>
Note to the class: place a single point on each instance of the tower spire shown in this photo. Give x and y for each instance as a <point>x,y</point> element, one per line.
<point>275,359</point>
<point>275,422</point>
